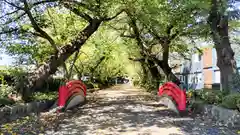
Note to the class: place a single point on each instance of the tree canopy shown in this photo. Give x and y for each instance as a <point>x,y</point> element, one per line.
<point>109,38</point>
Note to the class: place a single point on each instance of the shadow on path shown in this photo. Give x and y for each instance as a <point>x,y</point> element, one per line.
<point>129,111</point>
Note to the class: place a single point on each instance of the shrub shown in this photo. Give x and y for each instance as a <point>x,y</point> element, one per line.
<point>53,84</point>
<point>211,96</point>
<point>238,104</point>
<point>18,75</point>
<point>40,96</point>
<point>236,82</point>
<point>89,84</point>
<point>136,82</point>
<point>231,101</point>
<point>5,101</point>
<point>190,93</point>
<point>5,90</point>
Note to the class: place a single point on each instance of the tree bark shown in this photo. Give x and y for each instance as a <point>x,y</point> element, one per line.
<point>72,64</point>
<point>65,70</point>
<point>164,41</point>
<point>36,79</point>
<point>218,22</point>
<point>92,69</point>
<point>167,70</point>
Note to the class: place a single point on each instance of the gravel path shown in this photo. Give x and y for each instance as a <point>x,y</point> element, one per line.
<point>123,110</point>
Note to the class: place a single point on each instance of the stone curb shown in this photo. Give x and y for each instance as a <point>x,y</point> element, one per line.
<point>226,117</point>
<point>9,113</point>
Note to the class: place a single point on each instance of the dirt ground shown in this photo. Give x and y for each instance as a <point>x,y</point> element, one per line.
<point>120,110</point>
<point>124,110</point>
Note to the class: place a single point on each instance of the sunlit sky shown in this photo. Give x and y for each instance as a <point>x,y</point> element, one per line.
<point>5,59</point>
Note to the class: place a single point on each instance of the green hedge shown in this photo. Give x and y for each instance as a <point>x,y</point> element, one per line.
<point>231,101</point>
<point>52,84</point>
<point>42,96</point>
<point>211,96</point>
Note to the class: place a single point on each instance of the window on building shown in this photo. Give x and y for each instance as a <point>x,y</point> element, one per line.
<point>217,76</point>
<point>199,77</point>
<point>199,57</point>
<point>181,78</point>
<point>190,77</point>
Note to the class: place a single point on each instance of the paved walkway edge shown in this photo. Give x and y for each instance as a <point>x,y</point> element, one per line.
<point>9,113</point>
<point>226,117</point>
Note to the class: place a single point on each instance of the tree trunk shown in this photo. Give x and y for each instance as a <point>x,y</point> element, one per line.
<point>153,69</point>
<point>98,63</point>
<point>164,63</point>
<point>167,71</point>
<point>72,64</point>
<point>225,56</point>
<point>145,73</point>
<point>155,73</point>
<point>92,69</point>
<point>165,45</point>
<point>36,79</point>
<point>65,70</point>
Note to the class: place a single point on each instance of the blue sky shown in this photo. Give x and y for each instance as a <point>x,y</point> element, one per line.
<point>5,59</point>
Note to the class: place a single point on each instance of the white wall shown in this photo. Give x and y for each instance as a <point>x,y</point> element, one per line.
<point>217,77</point>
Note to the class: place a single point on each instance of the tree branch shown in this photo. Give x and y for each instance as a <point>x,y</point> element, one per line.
<point>173,36</point>
<point>73,63</point>
<point>137,59</point>
<point>77,12</point>
<point>65,69</point>
<point>184,56</point>
<point>37,28</point>
<point>10,13</point>
<point>175,66</point>
<point>127,36</point>
<point>44,1</point>
<point>136,31</point>
<point>160,39</point>
<point>169,28</point>
<point>111,18</point>
<point>198,49</point>
<point>9,31</point>
<point>98,63</point>
<point>76,68</point>
<point>82,5</point>
<point>9,3</point>
<point>15,19</point>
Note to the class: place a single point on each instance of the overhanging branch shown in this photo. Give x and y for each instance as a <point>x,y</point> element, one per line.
<point>175,66</point>
<point>10,13</point>
<point>77,12</point>
<point>184,56</point>
<point>113,17</point>
<point>81,4</point>
<point>15,19</point>
<point>36,27</point>
<point>12,4</point>
<point>160,39</point>
<point>127,36</point>
<point>44,1</point>
<point>137,59</point>
<point>9,31</point>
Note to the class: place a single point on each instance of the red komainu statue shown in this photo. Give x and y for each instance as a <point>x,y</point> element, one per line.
<point>172,96</point>
<point>71,94</point>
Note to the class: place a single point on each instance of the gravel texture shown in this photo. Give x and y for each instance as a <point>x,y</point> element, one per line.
<point>121,110</point>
